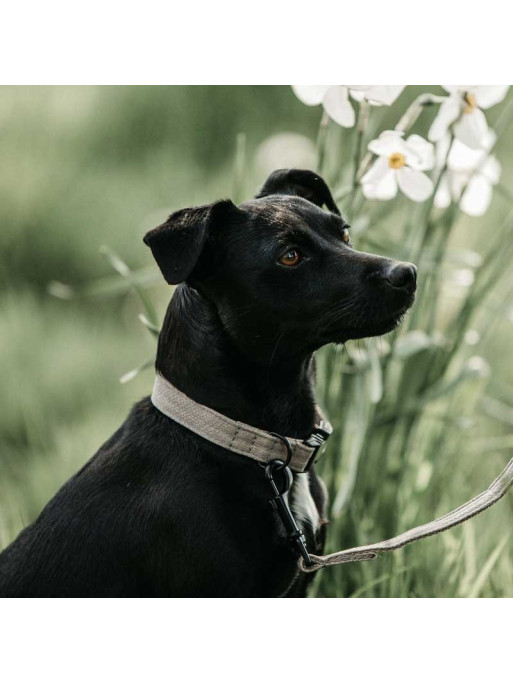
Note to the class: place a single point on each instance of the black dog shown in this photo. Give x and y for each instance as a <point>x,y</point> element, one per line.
<point>160,511</point>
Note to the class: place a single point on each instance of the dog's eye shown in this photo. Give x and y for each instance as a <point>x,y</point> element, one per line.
<point>290,258</point>
<point>346,237</point>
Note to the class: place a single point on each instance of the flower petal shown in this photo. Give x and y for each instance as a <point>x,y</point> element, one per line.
<point>489,95</point>
<point>310,94</point>
<point>464,158</point>
<point>359,92</point>
<point>337,105</point>
<point>423,157</point>
<point>461,89</point>
<point>443,194</point>
<point>477,197</point>
<point>415,184</point>
<point>383,94</point>
<point>472,129</point>
<point>377,171</point>
<point>458,181</point>
<point>388,143</point>
<point>448,113</point>
<point>491,170</point>
<point>385,188</point>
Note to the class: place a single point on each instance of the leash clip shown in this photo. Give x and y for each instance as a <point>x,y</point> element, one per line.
<point>281,506</point>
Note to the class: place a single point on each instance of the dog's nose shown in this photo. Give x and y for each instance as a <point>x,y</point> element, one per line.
<point>402,276</point>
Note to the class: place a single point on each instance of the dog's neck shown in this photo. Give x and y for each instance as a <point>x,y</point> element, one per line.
<point>197,356</point>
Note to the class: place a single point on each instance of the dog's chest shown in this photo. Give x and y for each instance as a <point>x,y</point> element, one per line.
<point>302,505</point>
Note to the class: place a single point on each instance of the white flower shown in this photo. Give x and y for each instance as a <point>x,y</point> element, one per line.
<point>470,176</point>
<point>400,163</point>
<point>377,95</point>
<point>310,94</point>
<point>463,106</point>
<point>335,98</point>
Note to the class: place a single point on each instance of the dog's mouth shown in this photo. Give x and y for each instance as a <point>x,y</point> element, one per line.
<point>391,322</point>
<point>371,326</point>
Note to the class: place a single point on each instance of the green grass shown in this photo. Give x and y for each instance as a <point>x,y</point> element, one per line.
<point>60,395</point>
<point>420,426</point>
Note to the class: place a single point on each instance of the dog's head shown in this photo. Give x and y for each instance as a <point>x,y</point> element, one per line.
<point>281,267</point>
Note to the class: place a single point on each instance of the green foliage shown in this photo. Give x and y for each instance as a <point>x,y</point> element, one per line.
<point>408,410</point>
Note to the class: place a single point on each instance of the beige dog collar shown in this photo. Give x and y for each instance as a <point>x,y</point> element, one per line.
<point>235,436</point>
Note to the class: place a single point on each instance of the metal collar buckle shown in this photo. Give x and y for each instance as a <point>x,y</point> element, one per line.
<point>317,439</point>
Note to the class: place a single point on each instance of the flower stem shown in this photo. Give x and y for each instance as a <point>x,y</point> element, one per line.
<point>420,236</point>
<point>363,119</point>
<point>428,207</point>
<point>321,141</point>
<point>413,112</point>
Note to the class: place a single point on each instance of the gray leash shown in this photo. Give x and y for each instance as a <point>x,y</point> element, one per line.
<point>267,448</point>
<point>478,504</point>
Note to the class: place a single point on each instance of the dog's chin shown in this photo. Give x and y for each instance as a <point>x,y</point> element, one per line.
<point>371,328</point>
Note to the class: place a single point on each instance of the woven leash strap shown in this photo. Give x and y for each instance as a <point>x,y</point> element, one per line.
<point>481,502</point>
<point>264,447</point>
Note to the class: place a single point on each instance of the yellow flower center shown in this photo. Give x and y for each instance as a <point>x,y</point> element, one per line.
<point>396,160</point>
<point>471,103</point>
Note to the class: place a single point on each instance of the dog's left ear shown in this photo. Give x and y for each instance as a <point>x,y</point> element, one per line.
<point>302,183</point>
<point>177,244</point>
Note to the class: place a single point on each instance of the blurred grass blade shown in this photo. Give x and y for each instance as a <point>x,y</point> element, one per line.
<point>119,265</point>
<point>376,582</point>
<point>354,438</point>
<point>413,342</point>
<point>239,168</point>
<point>135,372</point>
<point>116,262</point>
<point>487,445</point>
<point>106,287</point>
<point>487,568</point>
<point>60,290</point>
<point>154,329</point>
<point>375,373</point>
<point>497,409</point>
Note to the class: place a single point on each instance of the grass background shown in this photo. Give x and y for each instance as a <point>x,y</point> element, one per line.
<point>82,167</point>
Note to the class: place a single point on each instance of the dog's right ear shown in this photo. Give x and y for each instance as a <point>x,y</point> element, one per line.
<point>178,243</point>
<point>301,183</point>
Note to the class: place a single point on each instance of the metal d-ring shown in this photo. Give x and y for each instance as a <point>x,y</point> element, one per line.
<point>289,450</point>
